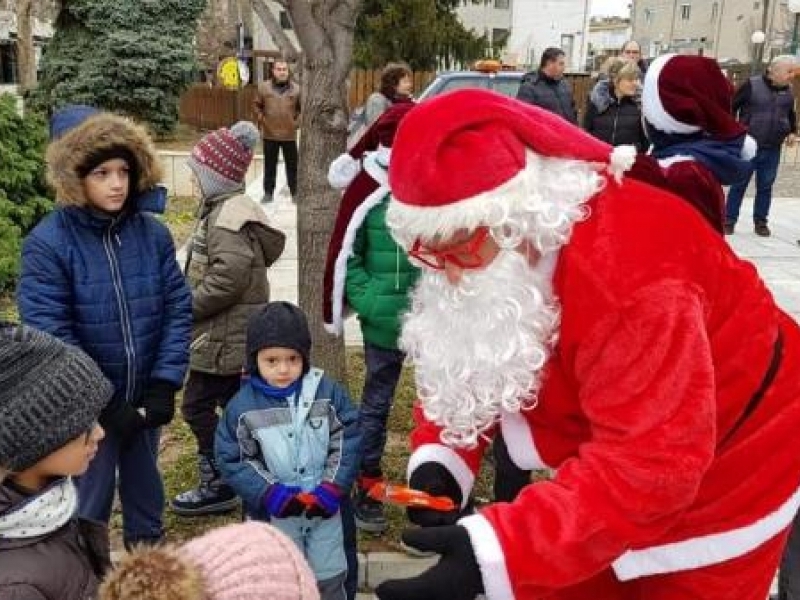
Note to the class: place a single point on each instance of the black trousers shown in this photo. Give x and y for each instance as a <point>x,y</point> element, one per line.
<point>204,394</point>
<point>289,150</point>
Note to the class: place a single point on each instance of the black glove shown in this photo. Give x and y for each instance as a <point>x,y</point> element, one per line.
<point>456,576</point>
<point>158,403</point>
<point>123,421</point>
<point>435,479</point>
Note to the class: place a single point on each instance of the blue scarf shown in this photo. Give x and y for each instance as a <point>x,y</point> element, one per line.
<point>722,158</point>
<point>276,393</point>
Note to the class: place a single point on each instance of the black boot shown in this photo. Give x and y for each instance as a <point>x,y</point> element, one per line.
<point>369,514</point>
<point>213,496</point>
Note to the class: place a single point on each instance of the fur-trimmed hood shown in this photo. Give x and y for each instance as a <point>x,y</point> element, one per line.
<point>99,132</point>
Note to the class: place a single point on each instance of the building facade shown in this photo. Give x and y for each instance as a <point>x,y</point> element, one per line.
<point>722,29</point>
<point>539,24</point>
<point>42,31</point>
<point>491,18</point>
<point>606,37</point>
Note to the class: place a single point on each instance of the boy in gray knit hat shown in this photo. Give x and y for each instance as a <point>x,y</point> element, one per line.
<point>232,247</point>
<point>51,395</point>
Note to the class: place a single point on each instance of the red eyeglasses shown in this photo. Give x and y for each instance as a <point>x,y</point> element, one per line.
<point>465,255</point>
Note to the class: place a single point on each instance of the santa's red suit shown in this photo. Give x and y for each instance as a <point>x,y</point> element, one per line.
<point>668,405</point>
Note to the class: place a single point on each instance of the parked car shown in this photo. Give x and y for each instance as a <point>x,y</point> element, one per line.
<point>504,82</point>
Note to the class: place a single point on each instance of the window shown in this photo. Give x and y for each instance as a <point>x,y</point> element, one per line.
<point>286,22</point>
<point>499,37</point>
<point>714,11</point>
<point>686,11</point>
<point>648,16</point>
<point>504,4</point>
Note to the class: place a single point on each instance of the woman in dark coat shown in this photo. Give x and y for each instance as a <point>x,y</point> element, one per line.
<point>613,113</point>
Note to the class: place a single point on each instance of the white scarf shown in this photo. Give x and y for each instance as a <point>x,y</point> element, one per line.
<point>43,513</point>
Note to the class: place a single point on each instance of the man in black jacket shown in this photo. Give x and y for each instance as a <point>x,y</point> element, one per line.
<point>547,88</point>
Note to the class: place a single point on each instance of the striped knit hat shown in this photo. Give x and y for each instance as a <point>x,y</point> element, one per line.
<point>50,393</point>
<point>221,158</point>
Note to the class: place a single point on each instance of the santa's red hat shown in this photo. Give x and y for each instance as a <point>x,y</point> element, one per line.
<point>378,138</point>
<point>688,94</point>
<point>461,159</point>
<point>366,190</point>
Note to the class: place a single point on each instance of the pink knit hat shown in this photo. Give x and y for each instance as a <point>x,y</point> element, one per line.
<point>246,561</point>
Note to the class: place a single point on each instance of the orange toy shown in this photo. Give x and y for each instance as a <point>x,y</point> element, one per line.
<point>406,496</point>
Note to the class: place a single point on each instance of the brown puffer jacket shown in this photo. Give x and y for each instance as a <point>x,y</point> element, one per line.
<point>277,112</point>
<point>231,251</point>
<point>67,564</point>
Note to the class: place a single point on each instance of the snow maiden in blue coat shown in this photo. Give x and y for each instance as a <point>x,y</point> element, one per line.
<point>100,272</point>
<point>289,443</point>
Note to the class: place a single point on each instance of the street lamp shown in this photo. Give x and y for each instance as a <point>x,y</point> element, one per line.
<point>794,7</point>
<point>756,39</point>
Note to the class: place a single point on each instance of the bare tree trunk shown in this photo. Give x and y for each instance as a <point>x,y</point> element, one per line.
<point>272,26</point>
<point>26,57</point>
<point>325,30</point>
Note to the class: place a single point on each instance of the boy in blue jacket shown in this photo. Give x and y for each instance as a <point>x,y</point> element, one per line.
<point>289,445</point>
<point>99,272</point>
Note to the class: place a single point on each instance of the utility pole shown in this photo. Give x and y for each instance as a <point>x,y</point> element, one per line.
<point>584,35</point>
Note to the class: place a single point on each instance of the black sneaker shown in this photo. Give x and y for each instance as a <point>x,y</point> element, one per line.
<point>729,228</point>
<point>762,229</point>
<point>205,500</point>
<point>369,514</point>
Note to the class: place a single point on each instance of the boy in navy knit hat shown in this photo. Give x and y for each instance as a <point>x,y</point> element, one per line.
<point>232,247</point>
<point>289,443</point>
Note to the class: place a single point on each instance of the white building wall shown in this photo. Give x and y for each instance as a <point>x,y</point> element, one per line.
<point>539,24</point>
<point>484,18</point>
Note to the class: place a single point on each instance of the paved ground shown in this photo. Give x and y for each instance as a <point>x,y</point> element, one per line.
<point>777,259</point>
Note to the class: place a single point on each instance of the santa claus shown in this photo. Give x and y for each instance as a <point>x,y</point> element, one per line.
<point>610,334</point>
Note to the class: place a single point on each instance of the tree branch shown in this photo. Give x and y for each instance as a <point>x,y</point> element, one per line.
<point>272,26</point>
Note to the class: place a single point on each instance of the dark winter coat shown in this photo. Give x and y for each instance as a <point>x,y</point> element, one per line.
<point>767,110</point>
<point>554,95</point>
<point>67,564</point>
<point>613,120</point>
<point>110,285</point>
<point>231,250</point>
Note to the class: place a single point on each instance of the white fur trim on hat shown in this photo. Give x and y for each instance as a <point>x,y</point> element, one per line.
<point>518,195</point>
<point>653,109</point>
<point>346,251</point>
<point>342,171</point>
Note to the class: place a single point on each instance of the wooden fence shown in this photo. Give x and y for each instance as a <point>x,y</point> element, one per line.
<point>208,107</point>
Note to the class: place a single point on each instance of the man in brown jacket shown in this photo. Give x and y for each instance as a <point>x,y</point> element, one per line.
<point>230,252</point>
<point>277,110</point>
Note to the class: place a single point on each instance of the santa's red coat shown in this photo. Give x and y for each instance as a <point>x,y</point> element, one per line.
<point>669,465</point>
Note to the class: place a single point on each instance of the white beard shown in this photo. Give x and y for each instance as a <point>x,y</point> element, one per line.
<point>480,347</point>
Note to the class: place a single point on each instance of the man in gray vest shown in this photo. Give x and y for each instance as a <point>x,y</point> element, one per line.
<point>765,104</point>
<point>547,88</point>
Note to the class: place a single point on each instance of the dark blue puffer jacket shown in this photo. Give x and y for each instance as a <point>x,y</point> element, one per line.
<point>114,288</point>
<point>110,285</point>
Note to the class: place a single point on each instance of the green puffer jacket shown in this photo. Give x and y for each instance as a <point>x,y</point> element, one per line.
<point>231,250</point>
<point>379,277</point>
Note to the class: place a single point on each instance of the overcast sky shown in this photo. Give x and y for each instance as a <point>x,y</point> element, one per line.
<point>611,7</point>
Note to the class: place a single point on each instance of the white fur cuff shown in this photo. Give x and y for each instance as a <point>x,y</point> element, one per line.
<point>342,171</point>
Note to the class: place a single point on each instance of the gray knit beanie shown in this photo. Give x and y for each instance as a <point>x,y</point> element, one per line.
<point>50,393</point>
<point>221,158</point>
